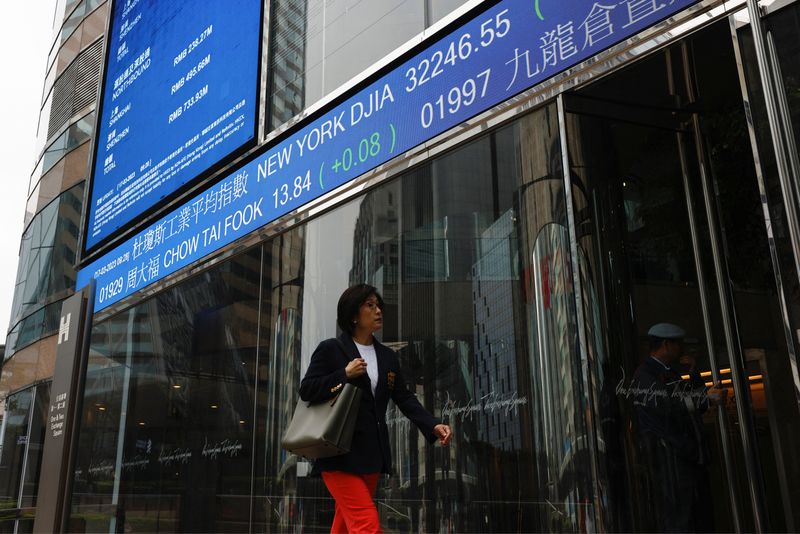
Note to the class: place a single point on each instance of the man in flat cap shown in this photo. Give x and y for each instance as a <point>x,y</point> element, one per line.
<point>670,427</point>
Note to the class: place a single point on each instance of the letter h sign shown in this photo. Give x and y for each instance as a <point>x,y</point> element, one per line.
<point>63,329</point>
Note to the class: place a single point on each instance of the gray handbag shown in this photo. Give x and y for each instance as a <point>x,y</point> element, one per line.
<point>323,429</point>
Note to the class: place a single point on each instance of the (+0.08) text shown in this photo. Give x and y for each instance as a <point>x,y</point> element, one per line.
<point>368,147</point>
<point>459,49</point>
<point>286,192</point>
<point>456,98</point>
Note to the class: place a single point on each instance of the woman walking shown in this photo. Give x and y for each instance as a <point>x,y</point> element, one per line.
<point>358,358</point>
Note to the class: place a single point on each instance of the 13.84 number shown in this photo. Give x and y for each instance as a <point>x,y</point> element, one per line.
<point>282,194</point>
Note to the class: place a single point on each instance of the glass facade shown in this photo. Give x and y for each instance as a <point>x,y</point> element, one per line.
<point>46,272</point>
<point>21,452</point>
<point>641,199</point>
<point>167,426</point>
<point>473,339</point>
<point>472,252</point>
<point>319,45</point>
<point>48,250</point>
<point>15,436</point>
<point>522,268</point>
<point>780,28</point>
<point>449,261</point>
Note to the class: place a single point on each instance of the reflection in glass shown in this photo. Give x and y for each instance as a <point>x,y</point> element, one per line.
<point>775,394</point>
<point>167,425</point>
<point>36,435</point>
<point>21,442</point>
<point>15,440</point>
<point>39,324</point>
<point>637,256</point>
<point>476,280</point>
<point>643,229</point>
<point>46,266</point>
<point>318,45</point>
<point>77,133</point>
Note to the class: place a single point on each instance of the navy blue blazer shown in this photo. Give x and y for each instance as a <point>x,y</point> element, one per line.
<point>369,451</point>
<point>661,407</point>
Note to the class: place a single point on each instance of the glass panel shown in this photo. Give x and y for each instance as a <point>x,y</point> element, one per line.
<point>775,396</point>
<point>318,45</point>
<point>783,28</point>
<point>767,370</point>
<point>288,61</point>
<point>34,327</point>
<point>780,26</point>
<point>476,281</point>
<point>672,457</point>
<point>32,204</point>
<point>658,456</point>
<point>70,49</point>
<point>14,442</point>
<point>72,22</point>
<point>55,151</point>
<point>438,9</point>
<point>277,507</point>
<point>41,130</point>
<point>95,24</point>
<point>38,428</point>
<point>30,329</point>
<point>47,254</point>
<point>167,425</point>
<point>11,338</point>
<point>58,16</point>
<point>73,136</point>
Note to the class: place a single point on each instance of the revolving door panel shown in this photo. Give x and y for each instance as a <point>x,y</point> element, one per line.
<point>669,231</point>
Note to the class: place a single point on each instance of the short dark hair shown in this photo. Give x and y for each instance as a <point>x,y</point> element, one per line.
<point>350,302</point>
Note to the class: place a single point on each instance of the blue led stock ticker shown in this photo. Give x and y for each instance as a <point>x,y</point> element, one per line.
<point>179,95</point>
<point>507,49</point>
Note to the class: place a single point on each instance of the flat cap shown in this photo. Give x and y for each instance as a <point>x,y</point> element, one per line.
<point>666,331</point>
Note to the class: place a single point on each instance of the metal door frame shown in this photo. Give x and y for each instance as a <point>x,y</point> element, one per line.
<point>723,292</point>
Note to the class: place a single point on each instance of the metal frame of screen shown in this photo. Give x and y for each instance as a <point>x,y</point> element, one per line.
<point>192,185</point>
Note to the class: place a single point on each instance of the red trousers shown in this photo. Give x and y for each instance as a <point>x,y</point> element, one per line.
<point>355,509</point>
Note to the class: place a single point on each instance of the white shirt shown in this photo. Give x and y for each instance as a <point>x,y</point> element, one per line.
<point>367,352</point>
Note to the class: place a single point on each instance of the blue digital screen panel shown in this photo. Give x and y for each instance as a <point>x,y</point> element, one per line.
<point>507,49</point>
<point>180,94</point>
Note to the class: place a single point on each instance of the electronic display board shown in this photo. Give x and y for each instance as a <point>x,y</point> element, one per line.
<point>506,49</point>
<point>179,94</point>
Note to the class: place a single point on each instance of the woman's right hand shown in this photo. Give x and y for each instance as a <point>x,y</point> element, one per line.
<point>356,368</point>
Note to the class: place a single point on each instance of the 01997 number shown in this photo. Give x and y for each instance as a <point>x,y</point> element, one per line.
<point>458,97</point>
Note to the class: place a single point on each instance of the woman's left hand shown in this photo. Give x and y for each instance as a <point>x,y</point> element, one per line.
<point>443,433</point>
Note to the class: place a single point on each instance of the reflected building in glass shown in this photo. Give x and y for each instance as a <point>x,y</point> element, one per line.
<point>523,256</point>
